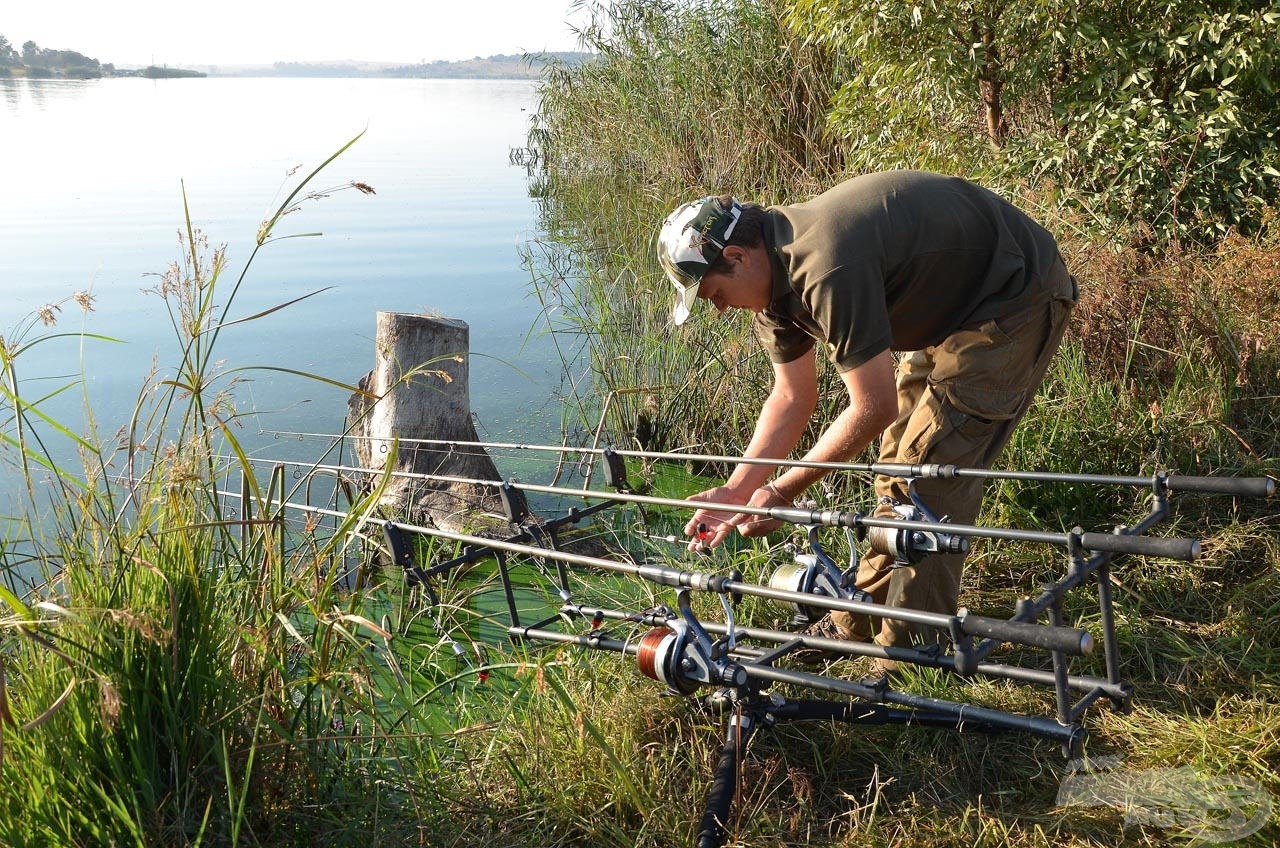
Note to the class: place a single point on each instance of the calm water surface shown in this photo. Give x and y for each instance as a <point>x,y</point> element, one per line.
<point>93,174</point>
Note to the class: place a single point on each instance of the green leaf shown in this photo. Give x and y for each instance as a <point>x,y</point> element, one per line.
<point>15,603</point>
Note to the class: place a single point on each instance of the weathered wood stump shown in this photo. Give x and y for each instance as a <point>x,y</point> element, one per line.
<point>419,389</point>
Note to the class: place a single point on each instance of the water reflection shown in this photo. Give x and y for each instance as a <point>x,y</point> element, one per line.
<point>11,90</point>
<point>41,93</point>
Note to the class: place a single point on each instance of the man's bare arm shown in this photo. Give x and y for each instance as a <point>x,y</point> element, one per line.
<point>783,418</point>
<point>873,406</point>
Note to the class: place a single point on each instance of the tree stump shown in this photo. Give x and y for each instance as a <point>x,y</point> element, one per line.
<point>419,389</point>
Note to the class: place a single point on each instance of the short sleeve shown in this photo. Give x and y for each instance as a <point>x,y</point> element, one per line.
<point>781,339</point>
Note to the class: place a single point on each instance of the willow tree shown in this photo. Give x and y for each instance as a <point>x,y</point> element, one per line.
<point>1160,114</point>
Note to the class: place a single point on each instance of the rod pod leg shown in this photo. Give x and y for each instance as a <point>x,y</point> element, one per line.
<point>713,828</point>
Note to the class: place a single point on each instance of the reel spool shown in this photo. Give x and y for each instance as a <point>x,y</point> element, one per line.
<point>659,656</point>
<point>797,577</point>
<point>908,547</point>
<point>818,575</point>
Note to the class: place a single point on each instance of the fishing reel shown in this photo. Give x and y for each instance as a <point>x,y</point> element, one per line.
<point>907,545</point>
<point>683,656</point>
<point>816,573</point>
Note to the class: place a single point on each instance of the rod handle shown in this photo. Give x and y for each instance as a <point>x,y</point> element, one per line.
<point>1251,487</point>
<point>1187,550</point>
<point>1069,640</point>
<point>714,827</point>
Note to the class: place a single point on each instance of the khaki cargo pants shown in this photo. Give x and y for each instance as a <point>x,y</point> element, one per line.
<point>958,403</point>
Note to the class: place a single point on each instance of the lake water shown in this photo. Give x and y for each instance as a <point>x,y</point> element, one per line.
<point>93,174</point>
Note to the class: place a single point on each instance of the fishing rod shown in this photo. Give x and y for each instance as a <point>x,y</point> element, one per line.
<point>657,617</point>
<point>692,658</point>
<point>908,541</point>
<point>680,653</point>
<point>684,664</point>
<point>1213,484</point>
<point>963,624</point>
<point>1127,543</point>
<point>681,657</point>
<point>836,593</point>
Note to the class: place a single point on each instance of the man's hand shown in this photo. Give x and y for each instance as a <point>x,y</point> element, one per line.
<point>708,528</point>
<point>753,526</point>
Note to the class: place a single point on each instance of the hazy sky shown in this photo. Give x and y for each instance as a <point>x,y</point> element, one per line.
<point>228,32</point>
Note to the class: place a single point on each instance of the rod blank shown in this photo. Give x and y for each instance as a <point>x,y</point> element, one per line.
<point>1242,486</point>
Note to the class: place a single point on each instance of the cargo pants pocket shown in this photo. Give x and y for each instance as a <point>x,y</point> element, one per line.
<point>977,387</point>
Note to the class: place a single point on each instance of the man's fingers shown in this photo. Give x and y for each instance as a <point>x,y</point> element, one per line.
<point>704,521</point>
<point>701,519</point>
<point>708,534</point>
<point>758,527</point>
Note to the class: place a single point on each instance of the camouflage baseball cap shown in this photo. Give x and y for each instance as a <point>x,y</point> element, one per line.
<point>689,243</point>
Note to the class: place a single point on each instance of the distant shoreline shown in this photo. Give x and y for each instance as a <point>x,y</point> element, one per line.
<point>502,66</point>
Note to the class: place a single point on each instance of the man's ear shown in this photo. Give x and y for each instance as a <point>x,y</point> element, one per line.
<point>733,255</point>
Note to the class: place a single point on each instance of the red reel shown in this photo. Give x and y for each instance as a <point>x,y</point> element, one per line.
<point>658,657</point>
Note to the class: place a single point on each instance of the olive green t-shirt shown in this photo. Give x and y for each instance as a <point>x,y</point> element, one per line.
<point>896,261</point>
